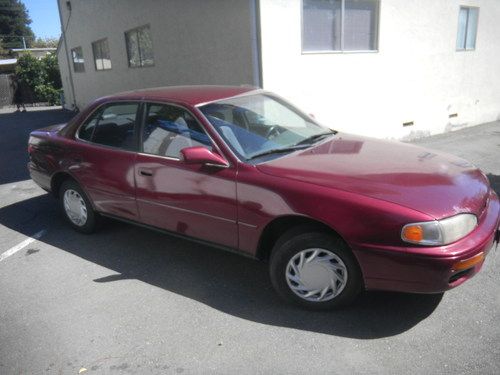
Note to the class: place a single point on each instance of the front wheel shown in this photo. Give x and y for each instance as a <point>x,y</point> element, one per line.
<point>315,270</point>
<point>77,208</point>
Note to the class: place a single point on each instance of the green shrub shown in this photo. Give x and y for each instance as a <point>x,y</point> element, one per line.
<point>42,77</point>
<point>47,93</point>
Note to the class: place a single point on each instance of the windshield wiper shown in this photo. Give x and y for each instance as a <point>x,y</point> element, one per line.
<point>316,137</point>
<point>277,151</point>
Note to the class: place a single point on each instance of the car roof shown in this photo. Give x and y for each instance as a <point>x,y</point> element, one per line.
<point>191,95</point>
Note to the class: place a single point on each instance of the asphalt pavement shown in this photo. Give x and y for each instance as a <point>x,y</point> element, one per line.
<point>129,300</point>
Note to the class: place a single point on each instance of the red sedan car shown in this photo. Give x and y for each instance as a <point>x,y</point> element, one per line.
<point>244,170</point>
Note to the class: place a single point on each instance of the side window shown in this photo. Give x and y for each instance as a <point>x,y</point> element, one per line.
<point>87,129</point>
<point>169,129</point>
<point>114,126</point>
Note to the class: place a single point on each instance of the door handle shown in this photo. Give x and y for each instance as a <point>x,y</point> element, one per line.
<point>145,172</point>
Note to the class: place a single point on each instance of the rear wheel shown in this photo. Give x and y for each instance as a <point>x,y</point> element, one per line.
<point>77,208</point>
<point>314,269</point>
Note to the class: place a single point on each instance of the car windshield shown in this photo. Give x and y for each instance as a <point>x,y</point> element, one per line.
<point>261,125</point>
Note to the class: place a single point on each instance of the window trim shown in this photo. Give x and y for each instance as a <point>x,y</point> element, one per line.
<point>341,50</point>
<point>106,104</point>
<point>73,60</point>
<point>465,49</point>
<point>136,29</point>
<point>93,53</point>
<point>171,158</point>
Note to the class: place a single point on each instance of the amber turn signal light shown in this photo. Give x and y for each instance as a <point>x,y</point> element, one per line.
<point>468,263</point>
<point>413,233</point>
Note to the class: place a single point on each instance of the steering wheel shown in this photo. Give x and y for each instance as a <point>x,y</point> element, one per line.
<point>273,131</point>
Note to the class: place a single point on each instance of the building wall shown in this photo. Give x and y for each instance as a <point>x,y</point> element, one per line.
<point>417,74</point>
<point>194,42</point>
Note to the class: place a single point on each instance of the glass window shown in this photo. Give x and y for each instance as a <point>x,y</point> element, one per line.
<point>113,125</point>
<point>169,129</point>
<point>340,25</point>
<point>258,125</point>
<point>101,55</point>
<point>467,28</point>
<point>322,25</point>
<point>87,129</point>
<point>139,47</point>
<point>78,62</point>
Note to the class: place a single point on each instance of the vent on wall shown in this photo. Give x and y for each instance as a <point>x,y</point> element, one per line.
<point>452,115</point>
<point>410,123</point>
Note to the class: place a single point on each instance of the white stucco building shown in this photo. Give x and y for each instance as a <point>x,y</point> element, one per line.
<point>386,68</point>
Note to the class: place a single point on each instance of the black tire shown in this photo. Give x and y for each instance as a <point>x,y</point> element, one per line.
<point>91,222</point>
<point>301,238</point>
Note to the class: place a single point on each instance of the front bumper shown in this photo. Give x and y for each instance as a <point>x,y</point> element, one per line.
<point>430,269</point>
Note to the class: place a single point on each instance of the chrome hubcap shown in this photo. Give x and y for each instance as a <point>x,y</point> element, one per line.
<point>75,207</point>
<point>316,275</point>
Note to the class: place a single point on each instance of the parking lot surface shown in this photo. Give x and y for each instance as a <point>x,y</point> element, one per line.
<point>130,300</point>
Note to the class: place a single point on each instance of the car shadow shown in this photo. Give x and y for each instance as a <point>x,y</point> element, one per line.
<point>15,128</point>
<point>227,282</point>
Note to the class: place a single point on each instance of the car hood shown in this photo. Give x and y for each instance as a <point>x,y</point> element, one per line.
<point>428,181</point>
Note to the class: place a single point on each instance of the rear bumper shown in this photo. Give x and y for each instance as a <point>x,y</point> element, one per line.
<point>41,178</point>
<point>430,269</point>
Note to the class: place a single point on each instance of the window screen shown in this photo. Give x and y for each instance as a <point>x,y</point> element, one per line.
<point>340,25</point>
<point>102,60</point>
<point>139,47</point>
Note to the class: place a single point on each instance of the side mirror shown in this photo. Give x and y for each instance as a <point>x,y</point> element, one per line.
<point>202,155</point>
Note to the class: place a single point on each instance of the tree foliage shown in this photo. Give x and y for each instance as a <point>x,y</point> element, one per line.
<point>42,77</point>
<point>45,43</point>
<point>14,24</point>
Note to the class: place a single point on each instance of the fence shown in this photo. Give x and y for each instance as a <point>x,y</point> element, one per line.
<point>6,93</point>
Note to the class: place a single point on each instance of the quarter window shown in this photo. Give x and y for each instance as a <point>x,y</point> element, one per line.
<point>78,62</point>
<point>467,28</point>
<point>139,47</point>
<point>169,129</point>
<point>113,125</point>
<point>102,60</point>
<point>340,25</point>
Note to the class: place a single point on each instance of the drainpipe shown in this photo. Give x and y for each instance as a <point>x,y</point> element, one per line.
<point>63,31</point>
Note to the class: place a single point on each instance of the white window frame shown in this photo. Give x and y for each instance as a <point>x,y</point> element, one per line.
<point>341,50</point>
<point>465,49</point>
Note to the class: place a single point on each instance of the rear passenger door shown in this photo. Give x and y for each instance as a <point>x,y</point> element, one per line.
<point>104,156</point>
<point>191,199</point>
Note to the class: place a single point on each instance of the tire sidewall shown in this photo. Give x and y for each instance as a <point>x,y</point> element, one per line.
<point>284,250</point>
<point>90,224</point>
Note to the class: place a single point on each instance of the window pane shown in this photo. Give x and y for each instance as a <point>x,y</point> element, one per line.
<point>146,46</point>
<point>87,130</point>
<point>321,25</point>
<point>101,55</point>
<point>116,126</point>
<point>472,28</point>
<point>169,129</point>
<point>78,62</point>
<point>134,59</point>
<point>360,28</point>
<point>462,28</point>
<point>106,60</point>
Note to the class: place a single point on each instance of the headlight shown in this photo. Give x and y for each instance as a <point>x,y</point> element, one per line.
<point>439,232</point>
